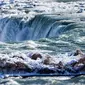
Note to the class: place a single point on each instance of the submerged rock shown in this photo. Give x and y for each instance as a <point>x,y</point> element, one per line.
<point>46,71</point>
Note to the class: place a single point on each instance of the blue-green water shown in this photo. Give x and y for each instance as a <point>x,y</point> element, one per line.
<point>49,28</point>
<point>43,81</point>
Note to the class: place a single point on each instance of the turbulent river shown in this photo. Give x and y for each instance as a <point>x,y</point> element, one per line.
<point>49,27</point>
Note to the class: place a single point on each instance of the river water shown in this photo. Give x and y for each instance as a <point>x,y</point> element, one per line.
<point>52,27</point>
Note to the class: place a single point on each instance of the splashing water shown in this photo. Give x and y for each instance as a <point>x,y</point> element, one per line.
<point>55,27</point>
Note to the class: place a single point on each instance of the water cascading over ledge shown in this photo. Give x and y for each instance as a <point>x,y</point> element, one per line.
<point>18,29</point>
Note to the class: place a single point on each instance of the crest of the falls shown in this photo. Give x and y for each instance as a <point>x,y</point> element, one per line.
<point>33,19</point>
<point>16,29</point>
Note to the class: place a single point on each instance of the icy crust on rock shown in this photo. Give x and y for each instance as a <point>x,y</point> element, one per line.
<point>21,64</point>
<point>22,58</point>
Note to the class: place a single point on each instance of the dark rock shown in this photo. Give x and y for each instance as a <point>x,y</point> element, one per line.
<point>21,66</point>
<point>35,56</point>
<point>77,52</point>
<point>82,60</point>
<point>47,60</point>
<point>80,11</point>
<point>10,66</point>
<point>80,68</point>
<point>46,71</point>
<point>15,56</point>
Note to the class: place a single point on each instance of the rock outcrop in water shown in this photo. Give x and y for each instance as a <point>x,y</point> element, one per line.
<point>36,63</point>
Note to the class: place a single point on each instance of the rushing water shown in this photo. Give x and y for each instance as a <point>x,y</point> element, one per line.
<point>49,27</point>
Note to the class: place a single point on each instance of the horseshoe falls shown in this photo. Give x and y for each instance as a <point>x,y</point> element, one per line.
<point>54,27</point>
<point>41,26</point>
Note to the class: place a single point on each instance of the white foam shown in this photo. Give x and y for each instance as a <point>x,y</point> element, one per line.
<point>16,57</point>
<point>44,6</point>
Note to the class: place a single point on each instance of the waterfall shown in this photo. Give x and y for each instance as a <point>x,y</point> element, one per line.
<point>16,29</point>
